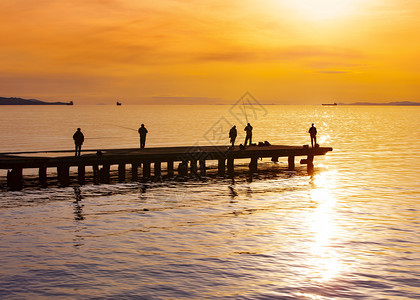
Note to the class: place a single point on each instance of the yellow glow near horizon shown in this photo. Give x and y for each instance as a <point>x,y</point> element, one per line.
<point>325,9</point>
<point>210,52</point>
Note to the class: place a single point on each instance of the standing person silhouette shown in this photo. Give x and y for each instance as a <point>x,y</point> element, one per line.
<point>233,133</point>
<point>312,131</point>
<point>248,130</point>
<point>142,131</point>
<point>78,138</point>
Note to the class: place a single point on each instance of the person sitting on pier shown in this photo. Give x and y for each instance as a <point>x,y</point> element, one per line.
<point>248,130</point>
<point>233,134</point>
<point>78,138</point>
<point>312,131</point>
<point>142,131</point>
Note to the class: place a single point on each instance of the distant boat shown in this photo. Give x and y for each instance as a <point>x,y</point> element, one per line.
<point>118,103</point>
<point>329,104</point>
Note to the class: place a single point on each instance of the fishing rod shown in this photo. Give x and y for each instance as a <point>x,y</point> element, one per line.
<point>246,116</point>
<point>123,127</point>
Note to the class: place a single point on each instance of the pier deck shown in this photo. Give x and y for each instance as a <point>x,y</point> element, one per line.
<point>101,161</point>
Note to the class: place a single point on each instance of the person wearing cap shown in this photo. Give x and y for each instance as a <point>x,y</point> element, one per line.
<point>78,138</point>
<point>312,131</point>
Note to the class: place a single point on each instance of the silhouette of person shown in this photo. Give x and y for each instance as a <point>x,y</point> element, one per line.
<point>78,138</point>
<point>232,134</point>
<point>142,131</point>
<point>248,130</point>
<point>312,131</point>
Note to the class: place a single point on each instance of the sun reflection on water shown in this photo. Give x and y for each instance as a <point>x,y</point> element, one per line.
<point>324,260</point>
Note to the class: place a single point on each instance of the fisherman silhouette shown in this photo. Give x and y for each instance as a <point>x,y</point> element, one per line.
<point>232,134</point>
<point>312,131</point>
<point>142,131</point>
<point>78,138</point>
<point>248,130</point>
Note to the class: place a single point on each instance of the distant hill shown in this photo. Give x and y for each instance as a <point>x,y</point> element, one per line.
<point>401,103</point>
<point>20,101</point>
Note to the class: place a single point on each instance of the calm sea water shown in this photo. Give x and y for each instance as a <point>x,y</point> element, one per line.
<point>351,231</point>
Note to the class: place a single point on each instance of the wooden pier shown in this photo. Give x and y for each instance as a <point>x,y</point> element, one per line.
<point>191,160</point>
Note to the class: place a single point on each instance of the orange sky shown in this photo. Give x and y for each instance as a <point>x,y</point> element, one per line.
<point>179,51</point>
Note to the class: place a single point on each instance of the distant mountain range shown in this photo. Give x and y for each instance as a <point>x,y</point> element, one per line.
<point>401,103</point>
<point>20,101</point>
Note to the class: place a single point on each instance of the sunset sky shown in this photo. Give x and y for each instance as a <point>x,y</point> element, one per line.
<point>206,52</point>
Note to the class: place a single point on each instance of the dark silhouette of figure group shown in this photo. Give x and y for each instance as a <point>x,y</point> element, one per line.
<point>233,133</point>
<point>79,138</point>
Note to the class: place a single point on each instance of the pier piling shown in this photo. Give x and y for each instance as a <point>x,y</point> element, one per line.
<point>202,167</point>
<point>231,166</point>
<point>253,165</point>
<point>15,179</point>
<point>134,171</point>
<point>193,167</point>
<point>43,176</point>
<point>221,167</point>
<point>158,169</point>
<point>121,172</point>
<point>104,173</point>
<point>146,170</point>
<point>170,168</point>
<point>63,174</point>
<point>291,161</point>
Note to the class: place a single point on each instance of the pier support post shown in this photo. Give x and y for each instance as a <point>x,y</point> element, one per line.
<point>221,167</point>
<point>121,172</point>
<point>183,169</point>
<point>146,170</point>
<point>310,164</point>
<point>104,173</point>
<point>203,167</point>
<point>193,167</point>
<point>253,165</point>
<point>291,161</point>
<point>95,168</point>
<point>170,168</point>
<point>81,174</point>
<point>158,168</point>
<point>231,166</point>
<point>43,176</point>
<point>63,174</point>
<point>15,179</point>
<point>134,171</point>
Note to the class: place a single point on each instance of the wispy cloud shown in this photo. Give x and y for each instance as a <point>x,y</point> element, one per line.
<point>333,72</point>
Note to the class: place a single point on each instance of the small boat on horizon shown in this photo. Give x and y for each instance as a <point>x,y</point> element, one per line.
<point>329,104</point>
<point>118,103</point>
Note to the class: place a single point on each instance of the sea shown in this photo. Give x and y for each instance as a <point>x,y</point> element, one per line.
<point>350,230</point>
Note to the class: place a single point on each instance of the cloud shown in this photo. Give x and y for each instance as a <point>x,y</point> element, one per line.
<point>319,54</point>
<point>333,72</point>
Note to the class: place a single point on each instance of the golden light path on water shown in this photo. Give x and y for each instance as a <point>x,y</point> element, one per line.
<point>323,227</point>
